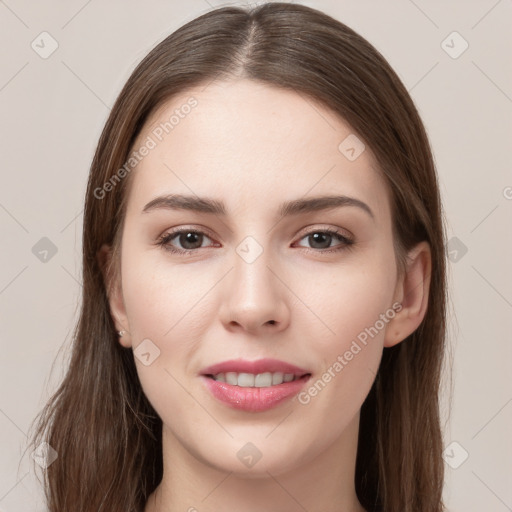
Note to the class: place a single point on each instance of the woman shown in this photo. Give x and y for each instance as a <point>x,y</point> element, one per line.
<point>262,325</point>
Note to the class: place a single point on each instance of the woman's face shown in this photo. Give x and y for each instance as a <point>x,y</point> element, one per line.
<point>261,280</point>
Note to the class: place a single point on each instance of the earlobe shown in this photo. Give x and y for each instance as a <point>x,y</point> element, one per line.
<point>412,293</point>
<point>114,294</point>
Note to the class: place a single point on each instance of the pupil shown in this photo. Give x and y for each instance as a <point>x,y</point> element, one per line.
<point>189,238</point>
<point>317,236</point>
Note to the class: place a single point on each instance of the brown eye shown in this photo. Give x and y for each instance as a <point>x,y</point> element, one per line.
<point>189,239</point>
<point>320,240</point>
<point>317,239</point>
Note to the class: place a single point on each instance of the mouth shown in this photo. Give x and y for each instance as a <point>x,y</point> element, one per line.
<point>254,393</point>
<point>254,386</point>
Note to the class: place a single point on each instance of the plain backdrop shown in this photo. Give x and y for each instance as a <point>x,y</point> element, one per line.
<point>53,107</point>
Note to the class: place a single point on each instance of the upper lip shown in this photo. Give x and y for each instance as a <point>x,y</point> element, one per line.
<point>255,367</point>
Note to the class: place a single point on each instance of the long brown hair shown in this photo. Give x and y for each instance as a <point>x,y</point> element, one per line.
<point>104,430</point>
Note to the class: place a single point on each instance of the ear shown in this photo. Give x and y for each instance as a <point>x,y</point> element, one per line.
<point>112,280</point>
<point>412,292</point>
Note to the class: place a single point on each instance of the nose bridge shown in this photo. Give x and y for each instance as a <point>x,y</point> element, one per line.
<point>255,296</point>
<point>253,280</point>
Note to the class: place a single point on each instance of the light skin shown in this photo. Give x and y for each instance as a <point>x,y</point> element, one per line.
<point>253,147</point>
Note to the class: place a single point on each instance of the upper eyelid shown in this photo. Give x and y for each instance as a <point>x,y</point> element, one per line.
<point>172,233</point>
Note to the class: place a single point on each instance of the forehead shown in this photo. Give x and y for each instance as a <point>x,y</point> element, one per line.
<point>250,143</point>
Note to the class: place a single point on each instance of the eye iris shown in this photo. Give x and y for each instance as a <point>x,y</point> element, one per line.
<point>189,239</point>
<point>319,236</point>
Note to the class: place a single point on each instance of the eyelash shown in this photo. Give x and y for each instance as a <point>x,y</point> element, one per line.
<point>346,244</point>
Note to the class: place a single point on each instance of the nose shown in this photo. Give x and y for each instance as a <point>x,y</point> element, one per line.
<point>255,297</point>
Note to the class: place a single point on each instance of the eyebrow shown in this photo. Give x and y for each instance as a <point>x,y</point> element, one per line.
<point>216,207</point>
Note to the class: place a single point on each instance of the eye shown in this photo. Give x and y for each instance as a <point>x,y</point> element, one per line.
<point>191,240</point>
<point>324,237</point>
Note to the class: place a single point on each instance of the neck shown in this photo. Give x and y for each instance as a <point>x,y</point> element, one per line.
<point>323,484</point>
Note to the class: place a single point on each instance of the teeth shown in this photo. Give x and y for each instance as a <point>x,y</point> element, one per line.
<point>277,378</point>
<point>249,380</point>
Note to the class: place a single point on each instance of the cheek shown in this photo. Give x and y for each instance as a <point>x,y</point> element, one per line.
<point>163,301</point>
<point>165,307</point>
<point>351,314</point>
<point>345,300</point>
<point>170,307</point>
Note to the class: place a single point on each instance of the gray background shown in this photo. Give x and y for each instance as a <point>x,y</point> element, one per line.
<point>53,109</point>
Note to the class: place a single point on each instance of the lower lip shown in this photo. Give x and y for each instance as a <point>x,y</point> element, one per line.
<point>254,399</point>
